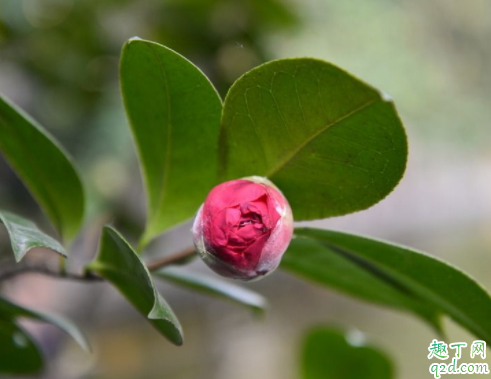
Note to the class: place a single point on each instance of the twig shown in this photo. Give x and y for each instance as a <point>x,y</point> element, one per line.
<point>26,269</point>
<point>174,258</point>
<point>88,277</point>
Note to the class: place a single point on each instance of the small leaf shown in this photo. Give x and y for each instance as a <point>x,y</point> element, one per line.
<point>24,236</point>
<point>330,354</point>
<point>174,113</point>
<point>11,311</point>
<point>44,167</point>
<point>330,142</point>
<point>215,287</point>
<point>119,264</point>
<point>443,287</point>
<point>18,352</point>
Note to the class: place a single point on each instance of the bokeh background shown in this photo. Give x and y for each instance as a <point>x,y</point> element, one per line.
<point>59,61</point>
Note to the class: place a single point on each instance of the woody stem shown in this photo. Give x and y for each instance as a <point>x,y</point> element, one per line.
<point>16,270</point>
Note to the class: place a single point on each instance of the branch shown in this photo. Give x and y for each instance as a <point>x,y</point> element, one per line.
<point>44,270</point>
<point>89,277</point>
<point>172,259</point>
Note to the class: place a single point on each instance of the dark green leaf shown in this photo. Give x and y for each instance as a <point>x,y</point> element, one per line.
<point>313,260</point>
<point>329,354</point>
<point>18,352</point>
<point>44,167</point>
<point>24,236</point>
<point>119,264</point>
<point>443,287</point>
<point>11,311</point>
<point>214,287</point>
<point>174,112</point>
<point>330,142</point>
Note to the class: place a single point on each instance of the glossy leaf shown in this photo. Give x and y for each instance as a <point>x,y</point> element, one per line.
<point>174,113</point>
<point>119,264</point>
<point>330,142</point>
<point>440,285</point>
<point>331,354</point>
<point>25,235</point>
<point>11,311</point>
<point>310,258</point>
<point>215,287</point>
<point>18,352</point>
<point>44,167</point>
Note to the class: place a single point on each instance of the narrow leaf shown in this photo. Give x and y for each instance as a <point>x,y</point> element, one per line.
<point>11,311</point>
<point>215,287</point>
<point>18,352</point>
<point>328,353</point>
<point>44,167</point>
<point>119,264</point>
<point>444,287</point>
<point>174,112</point>
<point>24,236</point>
<point>330,142</point>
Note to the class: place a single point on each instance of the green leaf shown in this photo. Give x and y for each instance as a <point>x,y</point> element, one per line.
<point>174,112</point>
<point>312,259</point>
<point>11,311</point>
<point>445,288</point>
<point>24,236</point>
<point>330,354</point>
<point>18,352</point>
<point>119,264</point>
<point>215,287</point>
<point>44,167</point>
<point>330,142</point>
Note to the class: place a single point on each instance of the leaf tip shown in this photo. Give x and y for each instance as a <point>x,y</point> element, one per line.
<point>386,97</point>
<point>174,333</point>
<point>85,345</point>
<point>134,38</point>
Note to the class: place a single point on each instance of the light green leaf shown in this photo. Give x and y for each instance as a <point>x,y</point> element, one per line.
<point>44,167</point>
<point>443,287</point>
<point>119,264</point>
<point>330,142</point>
<point>328,353</point>
<point>174,113</point>
<point>215,287</point>
<point>18,352</point>
<point>24,236</point>
<point>11,311</point>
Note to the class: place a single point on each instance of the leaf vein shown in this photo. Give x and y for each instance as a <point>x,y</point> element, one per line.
<point>294,152</point>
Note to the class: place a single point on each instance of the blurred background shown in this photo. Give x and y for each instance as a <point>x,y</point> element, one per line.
<point>59,61</point>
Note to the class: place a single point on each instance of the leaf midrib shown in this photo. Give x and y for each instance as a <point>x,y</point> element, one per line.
<point>411,283</point>
<point>52,211</point>
<point>167,157</point>
<point>301,146</point>
<point>407,299</point>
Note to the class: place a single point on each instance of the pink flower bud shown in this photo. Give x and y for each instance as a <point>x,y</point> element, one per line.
<point>243,228</point>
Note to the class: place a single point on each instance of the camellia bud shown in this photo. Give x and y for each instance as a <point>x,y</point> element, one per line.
<point>243,228</point>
